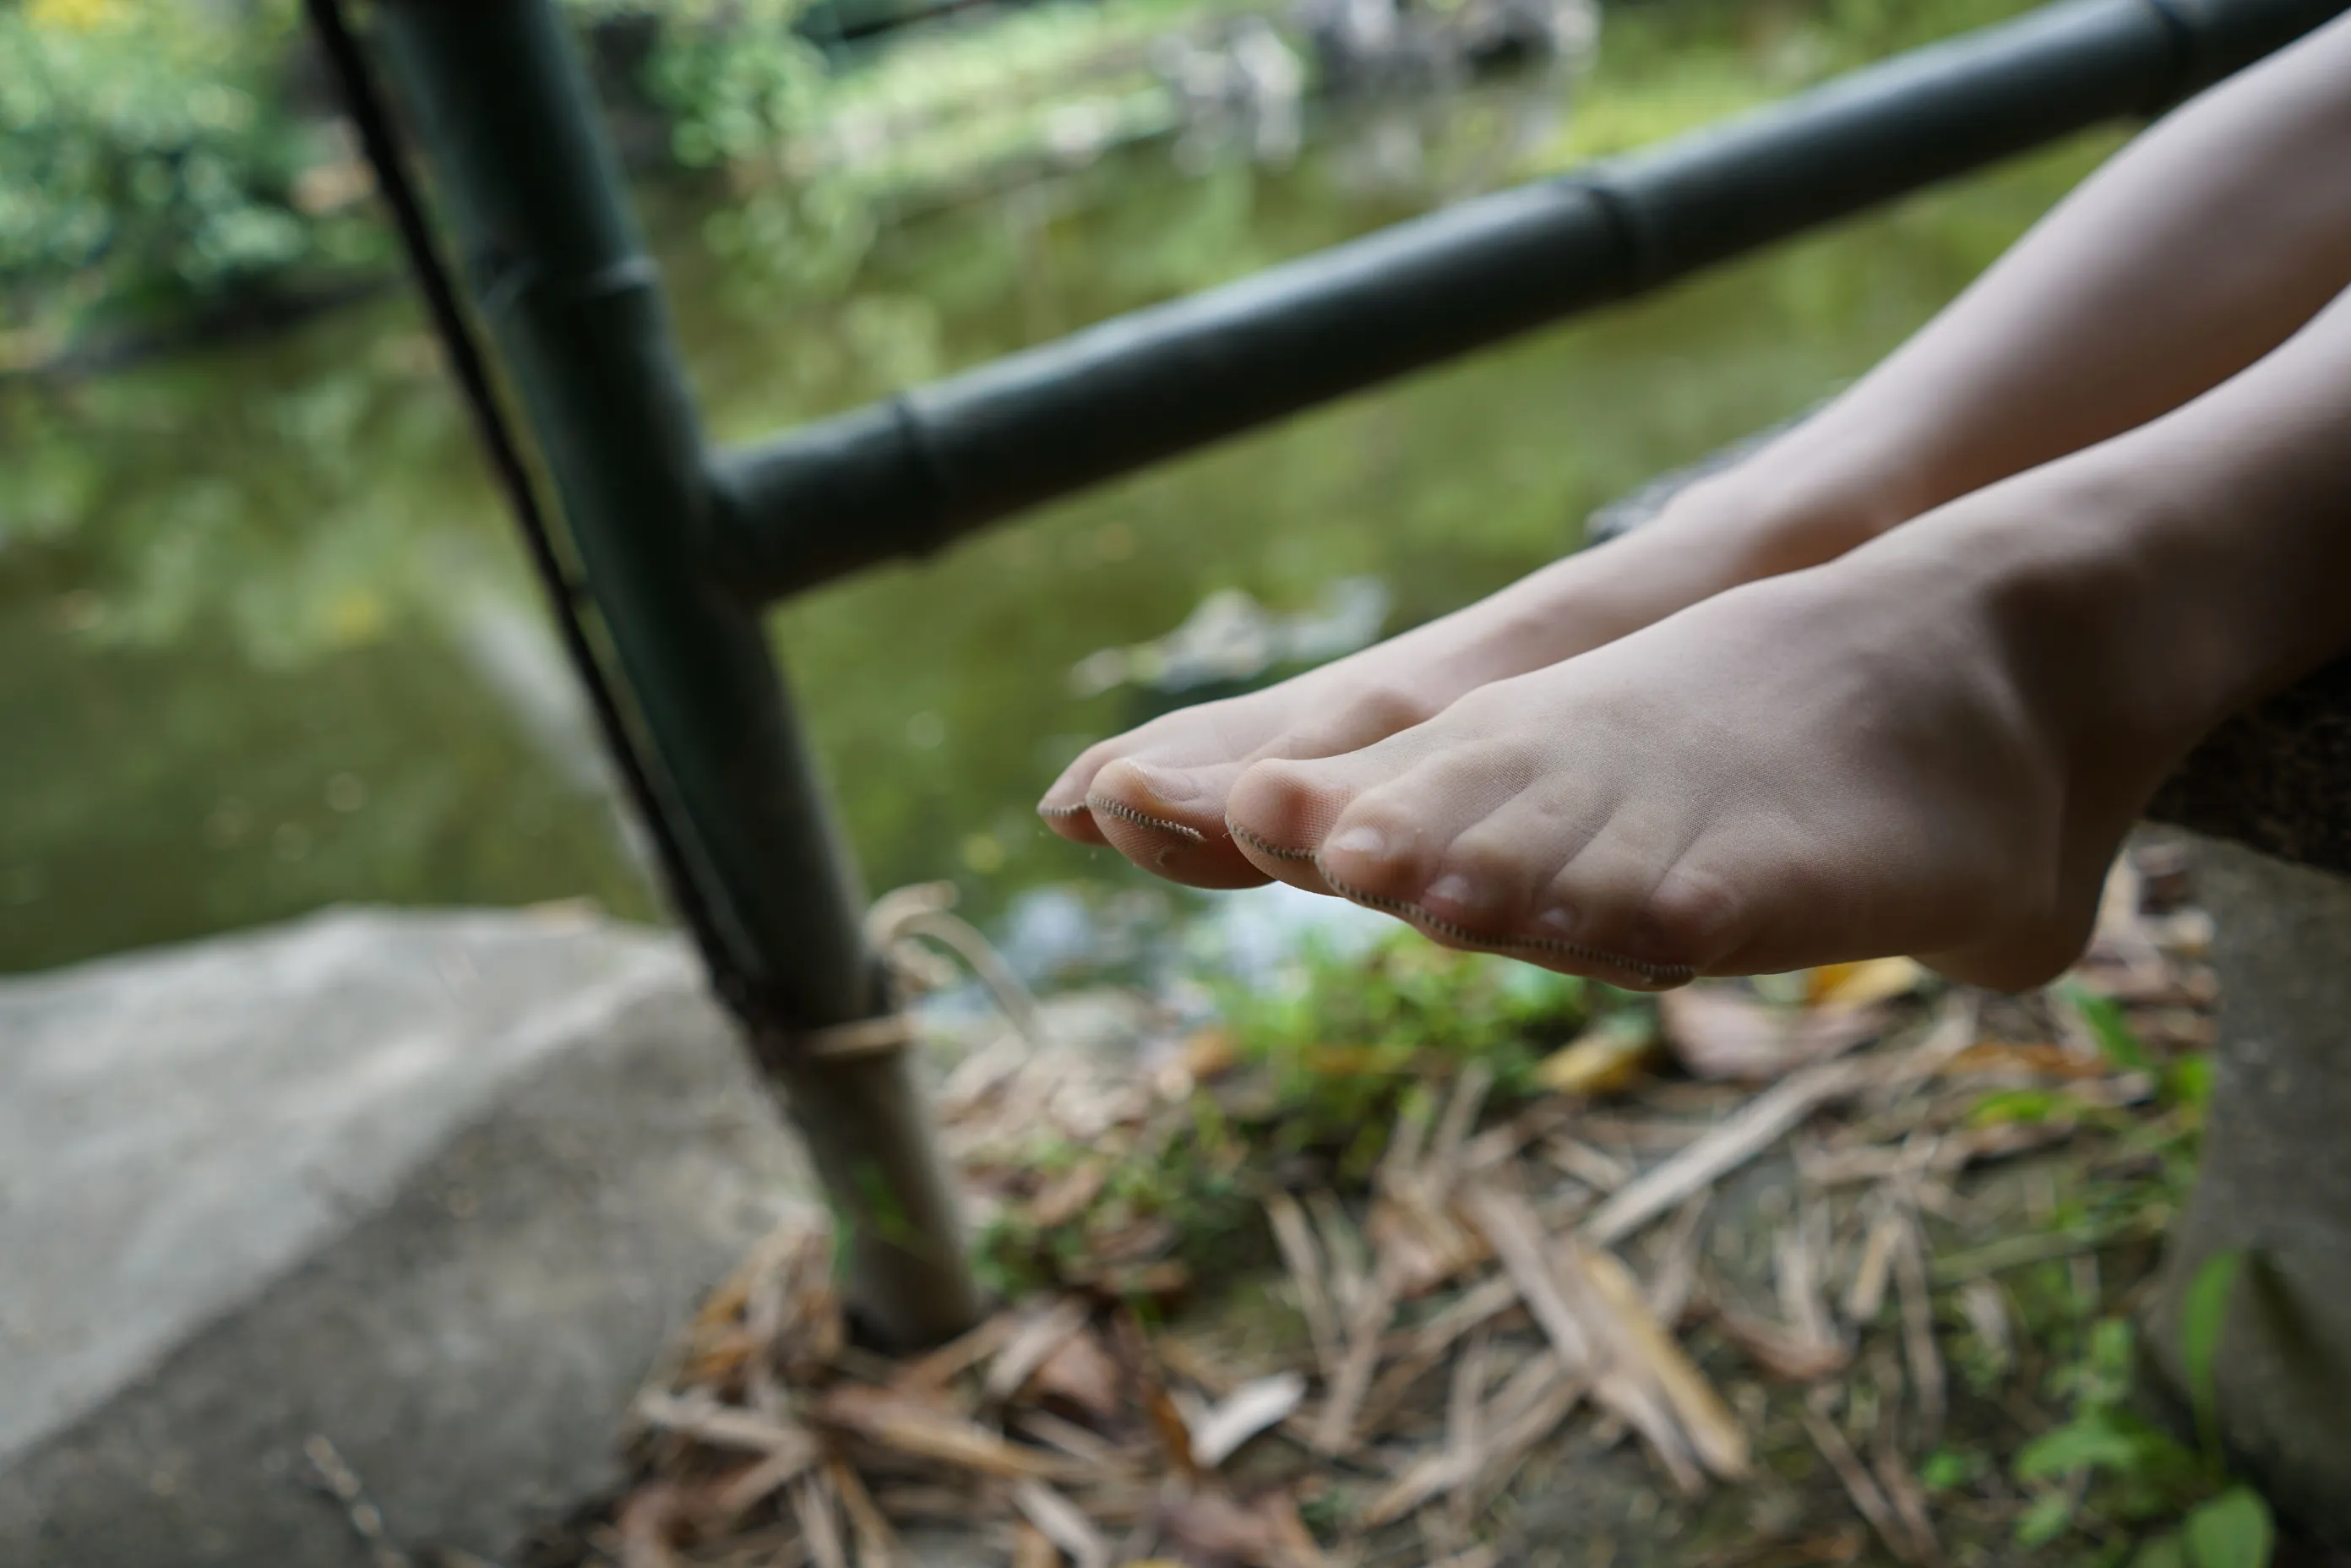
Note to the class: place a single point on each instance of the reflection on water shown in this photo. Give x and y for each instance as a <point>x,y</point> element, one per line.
<point>265,643</point>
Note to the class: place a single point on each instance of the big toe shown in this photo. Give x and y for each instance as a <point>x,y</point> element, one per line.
<point>1170,822</point>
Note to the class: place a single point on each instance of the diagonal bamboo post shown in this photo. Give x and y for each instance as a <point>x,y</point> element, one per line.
<point>560,278</point>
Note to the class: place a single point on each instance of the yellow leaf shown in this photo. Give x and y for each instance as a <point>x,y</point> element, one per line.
<point>1858,985</point>
<point>1605,1059</point>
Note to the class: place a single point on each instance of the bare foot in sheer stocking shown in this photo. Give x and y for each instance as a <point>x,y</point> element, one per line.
<point>1931,746</point>
<point>1158,794</point>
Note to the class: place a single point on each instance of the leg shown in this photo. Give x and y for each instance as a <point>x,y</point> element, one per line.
<point>1932,744</point>
<point>2048,353</point>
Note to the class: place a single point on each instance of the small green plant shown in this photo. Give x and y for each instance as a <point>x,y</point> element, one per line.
<point>2130,1487</point>
<point>1324,1064</point>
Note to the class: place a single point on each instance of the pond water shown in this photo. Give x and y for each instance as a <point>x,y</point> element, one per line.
<point>266,643</point>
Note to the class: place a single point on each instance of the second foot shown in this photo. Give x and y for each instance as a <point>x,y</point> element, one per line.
<point>1932,746</point>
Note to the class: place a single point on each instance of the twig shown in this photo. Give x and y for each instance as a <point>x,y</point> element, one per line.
<point>1867,1499</point>
<point>1755,1127</point>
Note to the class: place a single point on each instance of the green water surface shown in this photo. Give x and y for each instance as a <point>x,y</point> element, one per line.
<point>266,644</point>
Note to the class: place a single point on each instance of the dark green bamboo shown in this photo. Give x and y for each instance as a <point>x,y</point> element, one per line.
<point>908,475</point>
<point>561,279</point>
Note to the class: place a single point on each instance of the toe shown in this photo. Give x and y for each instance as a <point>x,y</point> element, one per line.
<point>1063,807</point>
<point>1625,909</point>
<point>1168,821</point>
<point>1488,883</point>
<point>1280,812</point>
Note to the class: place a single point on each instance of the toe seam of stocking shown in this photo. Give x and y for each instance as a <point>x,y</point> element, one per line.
<point>1662,975</point>
<point>1127,813</point>
<point>1262,846</point>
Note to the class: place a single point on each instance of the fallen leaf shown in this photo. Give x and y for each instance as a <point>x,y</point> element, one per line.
<point>1781,1352</point>
<point>1606,1059</point>
<point>1860,984</point>
<point>1036,1338</point>
<point>1210,1054</point>
<point>1210,1529</point>
<point>1032,1548</point>
<point>645,1522</point>
<point>1725,1031</point>
<point>1726,1146</point>
<point>1250,1409</point>
<point>1869,1499</point>
<point>812,1505</point>
<point>1714,1432</point>
<point>1063,1522</point>
<point>905,1426</point>
<point>1080,1373</point>
<point>1066,1197</point>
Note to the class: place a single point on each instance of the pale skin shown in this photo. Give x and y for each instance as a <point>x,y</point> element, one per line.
<point>1775,729</point>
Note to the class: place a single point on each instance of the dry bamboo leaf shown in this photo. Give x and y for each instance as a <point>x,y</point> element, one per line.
<point>1859,984</point>
<point>1063,1522</point>
<point>755,1483</point>
<point>1602,1172</point>
<point>1714,1432</point>
<point>1242,1415</point>
<point>1675,1279</point>
<point>1342,1246</point>
<point>1066,1197</point>
<point>1295,1542</point>
<point>1089,1449</point>
<point>1335,1432</point>
<point>1918,1348</point>
<point>705,1420</point>
<point>812,1506</point>
<point>1535,1400</point>
<point>1304,1259</point>
<point>1870,1275</point>
<point>1785,1355</point>
<point>1425,1477</point>
<point>1036,1338</point>
<point>1797,1263</point>
<point>1909,1499</point>
<point>1725,1031</point>
<point>1166,1422</point>
<point>1867,1499</point>
<point>1424,1348</point>
<point>1626,1390</point>
<point>645,1522</point>
<point>1210,1527</point>
<point>877,1543</point>
<point>905,1426</point>
<point>1418,1246</point>
<point>1032,1548</point>
<point>1759,1124</point>
<point>1516,1236</point>
<point>1080,1373</point>
<point>1605,1059</point>
<point>938,1367</point>
<point>1461,1404</point>
<point>1453,1128</point>
<point>1401,1158</point>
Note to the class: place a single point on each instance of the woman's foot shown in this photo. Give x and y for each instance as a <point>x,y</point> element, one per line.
<point>1933,745</point>
<point>1158,794</point>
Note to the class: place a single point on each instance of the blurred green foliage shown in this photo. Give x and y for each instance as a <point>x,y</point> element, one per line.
<point>148,160</point>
